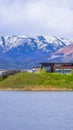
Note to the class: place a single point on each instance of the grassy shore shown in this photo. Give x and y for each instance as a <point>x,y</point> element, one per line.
<point>39,81</point>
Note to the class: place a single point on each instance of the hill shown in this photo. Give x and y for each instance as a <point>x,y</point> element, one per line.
<point>40,81</point>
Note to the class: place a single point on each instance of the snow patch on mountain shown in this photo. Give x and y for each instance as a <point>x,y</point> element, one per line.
<point>46,43</point>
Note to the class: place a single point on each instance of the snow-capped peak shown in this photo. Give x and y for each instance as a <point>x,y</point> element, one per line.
<point>46,43</point>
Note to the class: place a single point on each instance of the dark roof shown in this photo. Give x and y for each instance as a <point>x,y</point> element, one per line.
<point>52,64</point>
<point>55,63</point>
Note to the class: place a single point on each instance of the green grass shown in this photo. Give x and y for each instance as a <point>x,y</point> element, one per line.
<point>30,81</point>
<point>1,78</point>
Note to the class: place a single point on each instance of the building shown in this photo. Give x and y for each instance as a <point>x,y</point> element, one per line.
<point>6,73</point>
<point>58,67</point>
<point>1,71</point>
<point>36,69</point>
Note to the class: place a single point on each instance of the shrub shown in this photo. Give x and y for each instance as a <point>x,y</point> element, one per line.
<point>43,71</point>
<point>72,72</point>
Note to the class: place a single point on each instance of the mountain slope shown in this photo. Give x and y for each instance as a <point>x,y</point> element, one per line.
<point>63,55</point>
<point>22,52</point>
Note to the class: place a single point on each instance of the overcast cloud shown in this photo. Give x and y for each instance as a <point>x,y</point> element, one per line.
<point>36,17</point>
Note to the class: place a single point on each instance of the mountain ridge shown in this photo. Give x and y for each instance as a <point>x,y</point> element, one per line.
<point>23,52</point>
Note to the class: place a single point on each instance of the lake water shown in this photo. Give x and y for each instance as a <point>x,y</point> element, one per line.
<point>36,110</point>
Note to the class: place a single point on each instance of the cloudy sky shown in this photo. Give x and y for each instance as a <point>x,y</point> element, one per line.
<point>36,17</point>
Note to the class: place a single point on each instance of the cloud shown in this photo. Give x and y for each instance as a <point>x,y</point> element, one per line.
<point>36,17</point>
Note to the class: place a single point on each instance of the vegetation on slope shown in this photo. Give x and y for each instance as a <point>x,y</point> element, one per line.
<point>39,81</point>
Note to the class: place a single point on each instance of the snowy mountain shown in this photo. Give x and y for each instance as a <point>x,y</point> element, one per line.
<point>20,52</point>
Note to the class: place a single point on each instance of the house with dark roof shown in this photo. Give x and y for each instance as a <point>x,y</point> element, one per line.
<point>57,67</point>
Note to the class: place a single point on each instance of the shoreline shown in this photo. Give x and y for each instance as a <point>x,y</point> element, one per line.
<point>36,89</point>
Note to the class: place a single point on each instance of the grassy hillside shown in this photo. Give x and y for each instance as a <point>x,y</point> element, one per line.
<point>40,81</point>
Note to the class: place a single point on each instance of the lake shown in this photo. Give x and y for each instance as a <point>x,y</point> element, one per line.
<point>21,110</point>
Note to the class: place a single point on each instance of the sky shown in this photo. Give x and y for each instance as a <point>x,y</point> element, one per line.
<point>36,17</point>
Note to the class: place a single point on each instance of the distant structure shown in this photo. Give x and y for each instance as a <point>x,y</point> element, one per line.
<point>6,73</point>
<point>36,69</point>
<point>1,71</point>
<point>57,67</point>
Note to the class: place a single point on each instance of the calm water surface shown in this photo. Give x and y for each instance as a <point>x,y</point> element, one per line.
<point>36,110</point>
